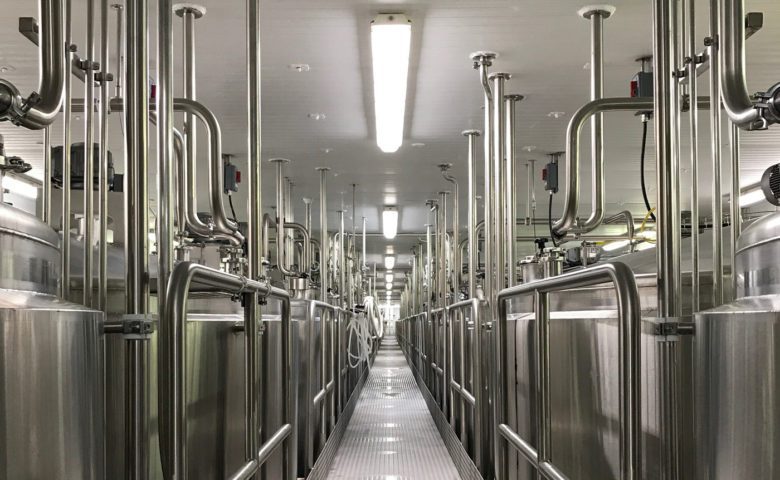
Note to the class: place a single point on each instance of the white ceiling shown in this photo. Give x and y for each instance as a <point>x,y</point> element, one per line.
<point>543,43</point>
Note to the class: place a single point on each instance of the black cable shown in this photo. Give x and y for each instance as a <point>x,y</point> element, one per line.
<point>642,169</point>
<point>550,222</point>
<point>232,209</point>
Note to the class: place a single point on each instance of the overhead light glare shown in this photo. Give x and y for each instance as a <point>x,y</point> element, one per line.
<point>389,277</point>
<point>390,222</point>
<point>389,286</point>
<point>389,262</point>
<point>615,245</point>
<point>391,36</point>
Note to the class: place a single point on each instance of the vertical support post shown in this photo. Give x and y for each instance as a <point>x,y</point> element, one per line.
<point>255,238</point>
<point>510,101</point>
<point>136,237</point>
<point>66,154</point>
<point>46,191</point>
<point>498,178</point>
<point>693,127</point>
<point>666,105</point>
<point>324,247</point>
<point>89,154</point>
<point>715,142</point>
<point>119,78</point>
<point>736,211</point>
<point>103,159</point>
<point>543,424</point>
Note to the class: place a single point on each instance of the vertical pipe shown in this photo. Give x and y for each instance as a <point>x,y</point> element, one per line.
<point>136,238</point>
<point>472,211</point>
<point>715,132</point>
<point>164,220</point>
<point>693,127</point>
<point>281,235</point>
<point>307,214</point>
<point>441,242</point>
<point>120,53</point>
<point>89,154</point>
<point>509,235</point>
<point>324,247</point>
<point>46,200</point>
<point>483,60</point>
<point>530,207</point>
<point>256,236</point>
<point>363,255</point>
<point>736,211</point>
<point>596,17</point>
<point>456,260</point>
<point>66,155</point>
<point>189,13</point>
<point>669,234</point>
<point>342,262</point>
<point>543,424</point>
<point>498,178</point>
<point>103,160</point>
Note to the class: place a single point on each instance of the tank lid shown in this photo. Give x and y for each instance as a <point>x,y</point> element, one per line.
<point>765,229</point>
<point>15,221</point>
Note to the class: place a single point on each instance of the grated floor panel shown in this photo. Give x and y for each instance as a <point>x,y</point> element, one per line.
<point>391,435</point>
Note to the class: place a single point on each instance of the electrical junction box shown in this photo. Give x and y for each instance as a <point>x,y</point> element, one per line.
<point>550,177</point>
<point>232,178</point>
<point>642,85</point>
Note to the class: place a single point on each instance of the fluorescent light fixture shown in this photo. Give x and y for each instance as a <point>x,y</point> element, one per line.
<point>390,222</point>
<point>615,245</point>
<point>389,262</point>
<point>389,286</point>
<point>751,198</point>
<point>389,277</point>
<point>19,187</point>
<point>391,36</point>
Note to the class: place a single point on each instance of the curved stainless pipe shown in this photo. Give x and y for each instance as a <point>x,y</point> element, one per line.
<point>629,221</point>
<point>568,221</point>
<point>456,254</point>
<point>222,224</point>
<point>41,108</point>
<point>731,46</point>
<point>305,266</point>
<point>280,192</point>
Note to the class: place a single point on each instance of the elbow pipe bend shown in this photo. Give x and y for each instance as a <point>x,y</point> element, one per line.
<point>568,221</point>
<point>41,108</point>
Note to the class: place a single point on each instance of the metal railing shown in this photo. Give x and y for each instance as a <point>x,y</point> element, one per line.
<point>474,399</point>
<point>324,400</point>
<point>172,374</point>
<point>629,315</point>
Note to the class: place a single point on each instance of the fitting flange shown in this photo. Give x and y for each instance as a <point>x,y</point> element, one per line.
<point>181,8</point>
<point>604,10</point>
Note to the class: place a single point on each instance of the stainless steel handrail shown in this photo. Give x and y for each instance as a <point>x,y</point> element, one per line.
<point>476,399</point>
<point>629,313</point>
<point>172,365</point>
<point>326,381</point>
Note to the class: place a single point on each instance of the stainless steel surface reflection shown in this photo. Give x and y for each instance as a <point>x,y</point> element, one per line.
<point>51,409</point>
<point>738,390</point>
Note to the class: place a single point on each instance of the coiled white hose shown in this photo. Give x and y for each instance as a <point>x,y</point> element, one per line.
<point>358,329</point>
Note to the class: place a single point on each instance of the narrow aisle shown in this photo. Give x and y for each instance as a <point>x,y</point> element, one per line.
<point>391,434</point>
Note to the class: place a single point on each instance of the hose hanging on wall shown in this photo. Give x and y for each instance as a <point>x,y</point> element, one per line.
<point>645,117</point>
<point>358,328</point>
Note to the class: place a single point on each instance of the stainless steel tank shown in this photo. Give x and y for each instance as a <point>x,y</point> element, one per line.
<point>51,403</point>
<point>584,374</point>
<point>738,380</point>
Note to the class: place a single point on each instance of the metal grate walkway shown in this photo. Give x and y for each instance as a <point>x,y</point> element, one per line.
<point>391,435</point>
